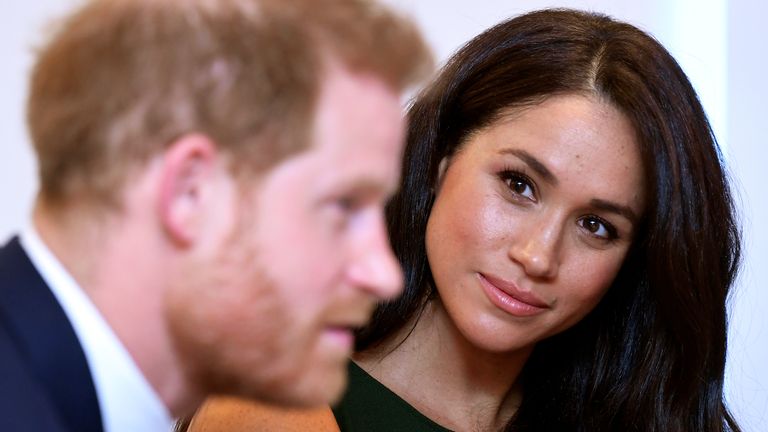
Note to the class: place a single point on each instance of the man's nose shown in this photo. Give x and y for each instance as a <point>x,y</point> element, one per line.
<point>375,268</point>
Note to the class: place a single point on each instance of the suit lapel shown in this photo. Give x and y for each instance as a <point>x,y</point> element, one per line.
<point>45,338</point>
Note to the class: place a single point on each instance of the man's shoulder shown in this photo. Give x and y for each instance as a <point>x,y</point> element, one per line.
<point>15,268</point>
<point>25,298</point>
<point>24,404</point>
<point>45,380</point>
<point>11,253</point>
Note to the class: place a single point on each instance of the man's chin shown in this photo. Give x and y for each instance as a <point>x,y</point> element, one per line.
<point>320,390</point>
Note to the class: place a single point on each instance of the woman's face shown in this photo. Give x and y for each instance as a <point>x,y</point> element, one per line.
<point>532,220</point>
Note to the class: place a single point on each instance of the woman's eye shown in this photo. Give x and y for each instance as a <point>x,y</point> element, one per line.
<point>520,185</point>
<point>598,228</point>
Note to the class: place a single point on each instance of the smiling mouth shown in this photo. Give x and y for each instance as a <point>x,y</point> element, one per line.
<point>510,298</point>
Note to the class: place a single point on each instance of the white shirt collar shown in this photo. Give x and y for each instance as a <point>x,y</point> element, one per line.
<point>127,400</point>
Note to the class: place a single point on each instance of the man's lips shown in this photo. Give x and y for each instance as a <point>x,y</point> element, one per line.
<point>343,337</point>
<point>508,297</point>
<point>347,325</point>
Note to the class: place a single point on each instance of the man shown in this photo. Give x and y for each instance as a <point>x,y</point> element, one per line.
<point>212,179</point>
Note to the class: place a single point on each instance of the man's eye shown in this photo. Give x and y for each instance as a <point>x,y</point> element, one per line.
<point>598,227</point>
<point>347,204</point>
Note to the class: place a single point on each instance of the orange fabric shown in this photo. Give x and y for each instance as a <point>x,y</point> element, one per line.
<point>238,415</point>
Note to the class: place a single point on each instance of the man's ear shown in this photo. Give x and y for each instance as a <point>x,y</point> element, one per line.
<point>187,181</point>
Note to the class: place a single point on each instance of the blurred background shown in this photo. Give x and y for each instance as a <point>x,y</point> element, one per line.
<point>719,43</point>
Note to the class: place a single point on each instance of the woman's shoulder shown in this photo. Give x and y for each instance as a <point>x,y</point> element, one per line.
<point>367,406</point>
<point>370,406</point>
<point>240,415</point>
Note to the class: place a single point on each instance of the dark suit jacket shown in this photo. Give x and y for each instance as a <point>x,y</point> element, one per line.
<point>45,383</point>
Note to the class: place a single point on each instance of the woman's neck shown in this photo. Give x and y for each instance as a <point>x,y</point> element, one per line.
<point>435,369</point>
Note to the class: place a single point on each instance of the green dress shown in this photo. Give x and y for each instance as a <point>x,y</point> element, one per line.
<point>369,406</point>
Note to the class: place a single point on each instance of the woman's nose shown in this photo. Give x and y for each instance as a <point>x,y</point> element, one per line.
<point>537,248</point>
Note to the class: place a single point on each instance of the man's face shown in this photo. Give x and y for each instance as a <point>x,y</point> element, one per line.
<point>301,260</point>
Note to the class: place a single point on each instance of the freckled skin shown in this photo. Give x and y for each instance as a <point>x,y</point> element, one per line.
<point>480,225</point>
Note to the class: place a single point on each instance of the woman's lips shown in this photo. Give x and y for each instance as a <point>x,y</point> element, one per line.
<point>508,297</point>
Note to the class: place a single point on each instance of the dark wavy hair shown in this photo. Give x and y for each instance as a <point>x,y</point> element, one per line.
<point>651,355</point>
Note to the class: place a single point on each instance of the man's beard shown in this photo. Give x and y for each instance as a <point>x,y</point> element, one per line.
<point>228,321</point>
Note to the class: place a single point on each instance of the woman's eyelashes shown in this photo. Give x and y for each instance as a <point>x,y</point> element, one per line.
<point>519,184</point>
<point>523,188</point>
<point>599,228</point>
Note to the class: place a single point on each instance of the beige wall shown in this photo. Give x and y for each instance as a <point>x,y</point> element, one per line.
<point>23,27</point>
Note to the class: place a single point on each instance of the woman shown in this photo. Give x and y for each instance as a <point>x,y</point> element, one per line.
<point>568,240</point>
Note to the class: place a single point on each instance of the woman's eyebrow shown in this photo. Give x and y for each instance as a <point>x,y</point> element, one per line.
<point>533,163</point>
<point>547,175</point>
<point>612,207</point>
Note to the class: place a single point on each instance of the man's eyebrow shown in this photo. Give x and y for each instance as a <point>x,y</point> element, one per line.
<point>532,162</point>
<point>615,208</point>
<point>367,186</point>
